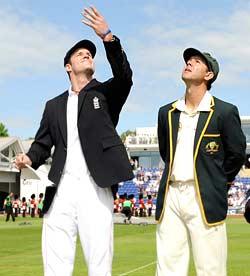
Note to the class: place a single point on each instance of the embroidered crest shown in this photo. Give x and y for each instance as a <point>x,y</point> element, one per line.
<point>96,103</point>
<point>212,147</point>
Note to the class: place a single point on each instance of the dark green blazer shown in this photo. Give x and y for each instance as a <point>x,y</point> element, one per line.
<point>219,153</point>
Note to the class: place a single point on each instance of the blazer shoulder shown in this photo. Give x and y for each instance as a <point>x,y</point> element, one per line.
<point>166,107</point>
<point>57,98</point>
<point>223,106</point>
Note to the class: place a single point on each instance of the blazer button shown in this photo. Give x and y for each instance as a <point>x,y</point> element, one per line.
<point>65,149</point>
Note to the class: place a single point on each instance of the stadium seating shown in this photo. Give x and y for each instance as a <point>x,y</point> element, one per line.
<point>129,187</point>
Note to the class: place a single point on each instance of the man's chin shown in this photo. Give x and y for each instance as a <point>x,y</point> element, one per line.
<point>184,78</point>
<point>89,72</point>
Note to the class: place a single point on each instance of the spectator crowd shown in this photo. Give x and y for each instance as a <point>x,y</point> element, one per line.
<point>139,204</point>
<point>147,181</point>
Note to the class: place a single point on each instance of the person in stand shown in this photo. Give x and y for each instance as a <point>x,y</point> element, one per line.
<point>28,206</point>
<point>121,201</point>
<point>8,206</point>
<point>89,157</point>
<point>116,204</point>
<point>16,205</point>
<point>203,147</point>
<point>24,207</point>
<point>133,202</point>
<point>40,205</point>
<point>132,163</point>
<point>33,205</point>
<point>141,206</point>
<point>149,205</point>
<point>127,210</point>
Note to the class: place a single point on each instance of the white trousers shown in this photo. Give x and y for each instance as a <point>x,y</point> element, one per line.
<point>182,226</point>
<point>79,206</point>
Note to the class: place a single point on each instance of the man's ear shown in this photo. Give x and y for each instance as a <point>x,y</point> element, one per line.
<point>209,75</point>
<point>68,67</point>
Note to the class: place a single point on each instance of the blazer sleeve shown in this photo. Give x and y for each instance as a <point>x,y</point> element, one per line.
<point>162,136</point>
<point>40,149</point>
<point>118,87</point>
<point>234,142</point>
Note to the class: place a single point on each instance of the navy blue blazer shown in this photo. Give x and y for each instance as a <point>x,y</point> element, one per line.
<point>99,106</point>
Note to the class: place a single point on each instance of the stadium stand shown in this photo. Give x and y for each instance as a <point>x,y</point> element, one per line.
<point>146,182</point>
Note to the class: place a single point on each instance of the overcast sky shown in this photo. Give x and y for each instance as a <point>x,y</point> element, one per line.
<point>34,36</point>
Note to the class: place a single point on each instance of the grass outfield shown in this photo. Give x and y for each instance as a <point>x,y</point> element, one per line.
<point>20,249</point>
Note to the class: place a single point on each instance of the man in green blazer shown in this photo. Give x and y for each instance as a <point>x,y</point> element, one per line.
<point>203,147</point>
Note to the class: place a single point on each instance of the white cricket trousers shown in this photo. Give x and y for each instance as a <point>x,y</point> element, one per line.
<point>79,206</point>
<point>181,226</point>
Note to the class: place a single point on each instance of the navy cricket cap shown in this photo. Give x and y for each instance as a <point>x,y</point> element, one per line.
<point>86,44</point>
<point>211,62</point>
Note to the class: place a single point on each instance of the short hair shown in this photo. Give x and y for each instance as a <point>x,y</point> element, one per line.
<point>69,62</point>
<point>209,85</point>
<point>209,82</point>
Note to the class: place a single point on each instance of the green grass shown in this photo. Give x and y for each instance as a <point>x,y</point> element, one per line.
<point>20,249</point>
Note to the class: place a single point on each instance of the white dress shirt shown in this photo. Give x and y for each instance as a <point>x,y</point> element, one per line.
<point>75,162</point>
<point>183,166</point>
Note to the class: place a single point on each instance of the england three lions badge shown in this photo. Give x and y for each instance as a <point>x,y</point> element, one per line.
<point>96,103</point>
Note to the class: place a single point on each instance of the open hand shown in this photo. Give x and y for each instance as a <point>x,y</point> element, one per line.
<point>97,22</point>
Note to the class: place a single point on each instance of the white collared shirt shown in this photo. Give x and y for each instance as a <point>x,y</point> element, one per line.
<point>183,165</point>
<point>75,162</point>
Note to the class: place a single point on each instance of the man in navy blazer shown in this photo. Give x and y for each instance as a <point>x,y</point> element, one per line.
<point>89,158</point>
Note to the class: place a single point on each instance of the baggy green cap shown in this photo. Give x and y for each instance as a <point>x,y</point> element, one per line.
<point>211,62</point>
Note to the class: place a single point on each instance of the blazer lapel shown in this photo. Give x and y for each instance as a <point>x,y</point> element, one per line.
<point>175,127</point>
<point>62,116</point>
<point>82,94</point>
<point>200,126</point>
<point>203,121</point>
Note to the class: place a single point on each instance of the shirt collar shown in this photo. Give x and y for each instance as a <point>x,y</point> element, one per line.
<point>203,106</point>
<point>71,92</point>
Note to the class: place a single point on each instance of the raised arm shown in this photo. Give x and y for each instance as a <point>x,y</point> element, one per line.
<point>117,88</point>
<point>115,54</point>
